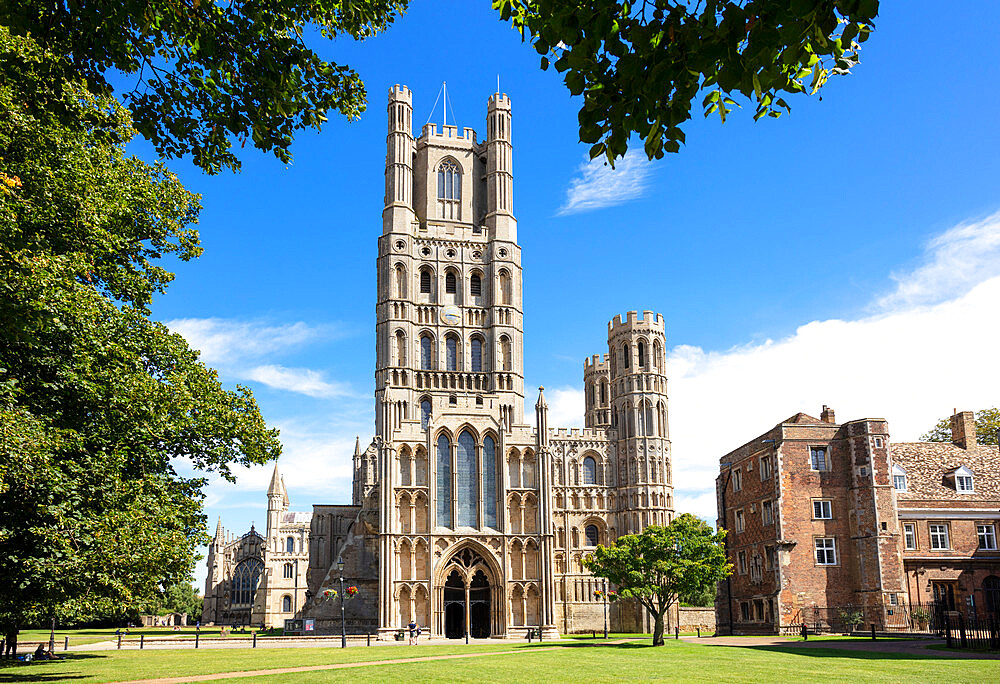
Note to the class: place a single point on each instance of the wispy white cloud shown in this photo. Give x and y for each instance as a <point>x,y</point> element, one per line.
<point>953,263</point>
<point>597,185</point>
<point>230,341</point>
<point>300,380</point>
<point>565,406</point>
<point>233,346</point>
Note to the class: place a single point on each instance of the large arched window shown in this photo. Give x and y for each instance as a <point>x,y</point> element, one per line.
<point>449,181</point>
<point>467,496</point>
<point>443,481</point>
<point>451,352</point>
<point>490,482</point>
<point>592,535</point>
<point>246,577</point>
<point>290,545</point>
<point>477,355</point>
<point>286,604</point>
<point>426,353</point>
<point>425,413</point>
<point>589,470</point>
<point>425,281</point>
<point>476,285</point>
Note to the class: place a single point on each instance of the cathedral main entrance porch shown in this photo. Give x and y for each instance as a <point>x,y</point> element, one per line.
<point>470,599</point>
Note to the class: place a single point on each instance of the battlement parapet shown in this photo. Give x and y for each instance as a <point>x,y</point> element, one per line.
<point>449,132</point>
<point>595,364</point>
<point>499,101</point>
<point>650,322</point>
<point>398,92</point>
<point>578,433</point>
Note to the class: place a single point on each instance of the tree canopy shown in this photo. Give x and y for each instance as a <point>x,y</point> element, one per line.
<point>987,428</point>
<point>640,65</point>
<point>99,405</point>
<point>660,564</point>
<point>208,73</point>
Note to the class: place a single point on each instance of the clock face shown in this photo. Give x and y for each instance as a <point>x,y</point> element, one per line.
<point>451,315</point>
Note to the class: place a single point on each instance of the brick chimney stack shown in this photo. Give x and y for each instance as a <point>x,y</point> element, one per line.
<point>963,429</point>
<point>828,416</point>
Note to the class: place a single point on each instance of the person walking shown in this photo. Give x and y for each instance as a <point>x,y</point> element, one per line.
<point>413,632</point>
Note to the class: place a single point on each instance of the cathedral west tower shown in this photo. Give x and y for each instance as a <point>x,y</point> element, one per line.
<point>467,516</point>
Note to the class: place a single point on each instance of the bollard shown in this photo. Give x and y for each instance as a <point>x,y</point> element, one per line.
<point>255,639</point>
<point>677,633</point>
<point>66,644</point>
<point>369,638</point>
<point>699,632</point>
<point>142,641</point>
<point>197,635</point>
<point>805,632</point>
<point>119,642</point>
<point>593,634</point>
<point>873,631</point>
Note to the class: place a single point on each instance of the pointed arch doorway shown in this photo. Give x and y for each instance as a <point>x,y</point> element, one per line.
<point>468,597</point>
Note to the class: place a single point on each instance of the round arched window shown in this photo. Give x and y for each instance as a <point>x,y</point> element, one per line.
<point>593,535</point>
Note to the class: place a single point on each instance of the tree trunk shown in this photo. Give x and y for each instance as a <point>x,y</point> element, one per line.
<point>658,629</point>
<point>52,636</point>
<point>11,645</point>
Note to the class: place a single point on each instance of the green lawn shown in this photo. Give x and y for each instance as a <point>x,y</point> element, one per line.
<point>79,637</point>
<point>568,660</point>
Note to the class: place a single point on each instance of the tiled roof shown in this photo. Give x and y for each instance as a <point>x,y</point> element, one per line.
<point>292,517</point>
<point>804,419</point>
<point>927,465</point>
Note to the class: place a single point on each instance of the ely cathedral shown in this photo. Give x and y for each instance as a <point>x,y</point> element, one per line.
<point>465,517</point>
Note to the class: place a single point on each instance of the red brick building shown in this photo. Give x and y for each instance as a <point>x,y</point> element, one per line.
<point>829,518</point>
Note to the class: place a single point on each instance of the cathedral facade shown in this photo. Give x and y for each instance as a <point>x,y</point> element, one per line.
<point>466,517</point>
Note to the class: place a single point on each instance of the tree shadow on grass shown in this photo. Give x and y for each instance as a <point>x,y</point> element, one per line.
<point>858,653</point>
<point>35,671</point>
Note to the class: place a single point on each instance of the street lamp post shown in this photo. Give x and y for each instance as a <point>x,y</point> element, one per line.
<point>604,595</point>
<point>343,619</point>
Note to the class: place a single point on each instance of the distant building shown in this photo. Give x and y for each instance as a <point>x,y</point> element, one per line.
<point>824,517</point>
<point>465,517</point>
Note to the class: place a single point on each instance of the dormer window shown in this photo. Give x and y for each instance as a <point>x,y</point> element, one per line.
<point>964,481</point>
<point>898,478</point>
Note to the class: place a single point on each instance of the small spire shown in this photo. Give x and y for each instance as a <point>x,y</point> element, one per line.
<point>284,492</point>
<point>275,488</point>
<point>541,399</point>
<point>357,445</point>
<point>218,530</point>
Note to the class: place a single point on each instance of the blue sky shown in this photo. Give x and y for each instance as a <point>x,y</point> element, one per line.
<point>847,254</point>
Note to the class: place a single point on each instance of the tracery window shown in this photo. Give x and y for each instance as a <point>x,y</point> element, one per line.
<point>449,180</point>
<point>490,481</point>
<point>426,356</point>
<point>589,470</point>
<point>443,481</point>
<point>477,355</point>
<point>467,496</point>
<point>425,413</point>
<point>246,577</point>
